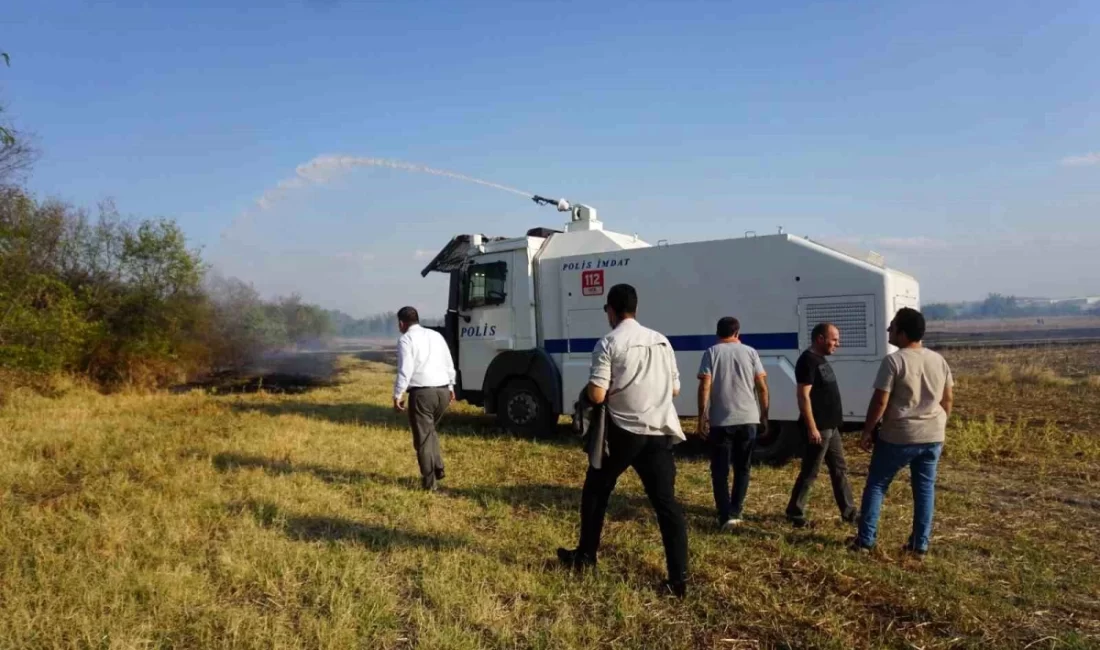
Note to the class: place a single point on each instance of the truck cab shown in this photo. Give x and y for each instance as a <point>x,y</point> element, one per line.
<point>495,317</point>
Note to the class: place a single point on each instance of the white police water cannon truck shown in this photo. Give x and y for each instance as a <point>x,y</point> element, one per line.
<point>524,314</point>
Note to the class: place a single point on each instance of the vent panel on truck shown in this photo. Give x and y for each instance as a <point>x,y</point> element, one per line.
<point>852,315</point>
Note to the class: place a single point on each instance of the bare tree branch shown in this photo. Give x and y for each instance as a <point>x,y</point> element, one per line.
<point>17,153</point>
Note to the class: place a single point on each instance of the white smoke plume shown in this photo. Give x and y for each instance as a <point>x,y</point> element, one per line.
<point>327,167</point>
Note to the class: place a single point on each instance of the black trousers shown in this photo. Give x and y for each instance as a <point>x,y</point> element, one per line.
<point>651,457</point>
<point>831,451</point>
<point>731,444</point>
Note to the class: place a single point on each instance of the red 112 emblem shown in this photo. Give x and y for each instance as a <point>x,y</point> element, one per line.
<point>592,283</point>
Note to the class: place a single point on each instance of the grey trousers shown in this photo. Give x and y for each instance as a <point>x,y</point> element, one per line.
<point>426,408</point>
<point>831,451</point>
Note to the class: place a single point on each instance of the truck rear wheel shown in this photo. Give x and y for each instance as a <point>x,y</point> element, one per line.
<point>784,441</point>
<point>524,411</point>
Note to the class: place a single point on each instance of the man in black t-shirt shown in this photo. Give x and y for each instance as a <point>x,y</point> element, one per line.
<point>821,416</point>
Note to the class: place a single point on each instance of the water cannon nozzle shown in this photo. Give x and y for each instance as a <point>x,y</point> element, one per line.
<point>561,204</point>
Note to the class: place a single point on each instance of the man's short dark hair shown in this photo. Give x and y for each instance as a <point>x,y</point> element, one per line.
<point>623,300</point>
<point>909,322</point>
<point>821,329</point>
<point>408,315</point>
<point>728,326</point>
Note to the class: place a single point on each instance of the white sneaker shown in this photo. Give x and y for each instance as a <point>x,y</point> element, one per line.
<point>731,524</point>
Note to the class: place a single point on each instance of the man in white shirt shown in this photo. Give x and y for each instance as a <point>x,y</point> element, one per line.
<point>634,373</point>
<point>426,371</point>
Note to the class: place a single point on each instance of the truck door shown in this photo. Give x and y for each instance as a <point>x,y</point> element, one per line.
<point>583,328</point>
<point>486,322</point>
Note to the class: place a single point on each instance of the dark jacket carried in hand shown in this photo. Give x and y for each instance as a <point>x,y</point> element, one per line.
<point>590,421</point>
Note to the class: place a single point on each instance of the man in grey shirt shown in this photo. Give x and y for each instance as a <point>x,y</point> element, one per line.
<point>913,398</point>
<point>634,373</point>
<point>730,378</point>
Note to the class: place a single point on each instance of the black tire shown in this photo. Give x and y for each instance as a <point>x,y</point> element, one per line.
<point>783,442</point>
<point>524,411</point>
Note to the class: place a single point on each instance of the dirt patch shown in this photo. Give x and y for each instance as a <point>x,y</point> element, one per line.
<point>278,383</point>
<point>289,373</point>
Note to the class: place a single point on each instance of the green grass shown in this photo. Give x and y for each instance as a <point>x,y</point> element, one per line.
<point>1041,445</point>
<point>259,521</point>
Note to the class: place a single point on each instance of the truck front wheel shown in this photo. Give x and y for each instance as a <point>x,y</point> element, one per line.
<point>523,411</point>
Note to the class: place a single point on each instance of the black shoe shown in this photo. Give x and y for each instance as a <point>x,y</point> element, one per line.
<point>439,474</point>
<point>800,522</point>
<point>851,517</point>
<point>576,560</point>
<point>677,589</point>
<point>913,552</point>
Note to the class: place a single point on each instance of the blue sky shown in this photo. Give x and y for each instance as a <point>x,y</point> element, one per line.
<point>957,139</point>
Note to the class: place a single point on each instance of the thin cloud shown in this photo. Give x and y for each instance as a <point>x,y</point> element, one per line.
<point>355,256</point>
<point>887,244</point>
<point>1084,160</point>
<point>919,242</point>
<point>420,254</point>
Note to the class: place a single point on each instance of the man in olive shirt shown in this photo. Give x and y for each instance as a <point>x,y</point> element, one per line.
<point>913,397</point>
<point>821,415</point>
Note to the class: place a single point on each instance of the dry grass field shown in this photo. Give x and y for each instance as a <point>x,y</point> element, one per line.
<point>293,521</point>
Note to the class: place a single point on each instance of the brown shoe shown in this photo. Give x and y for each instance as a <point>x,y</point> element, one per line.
<point>857,546</point>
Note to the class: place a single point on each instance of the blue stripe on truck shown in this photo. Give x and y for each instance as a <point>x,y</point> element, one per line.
<point>686,343</point>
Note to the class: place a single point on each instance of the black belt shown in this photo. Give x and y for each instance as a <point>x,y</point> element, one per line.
<point>416,388</point>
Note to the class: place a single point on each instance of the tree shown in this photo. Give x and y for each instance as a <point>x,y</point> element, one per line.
<point>41,324</point>
<point>305,324</point>
<point>155,313</point>
<point>41,328</point>
<point>120,302</point>
<point>939,311</point>
<point>243,329</point>
<point>999,306</point>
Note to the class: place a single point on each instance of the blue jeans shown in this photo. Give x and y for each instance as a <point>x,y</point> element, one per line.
<point>733,443</point>
<point>886,461</point>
